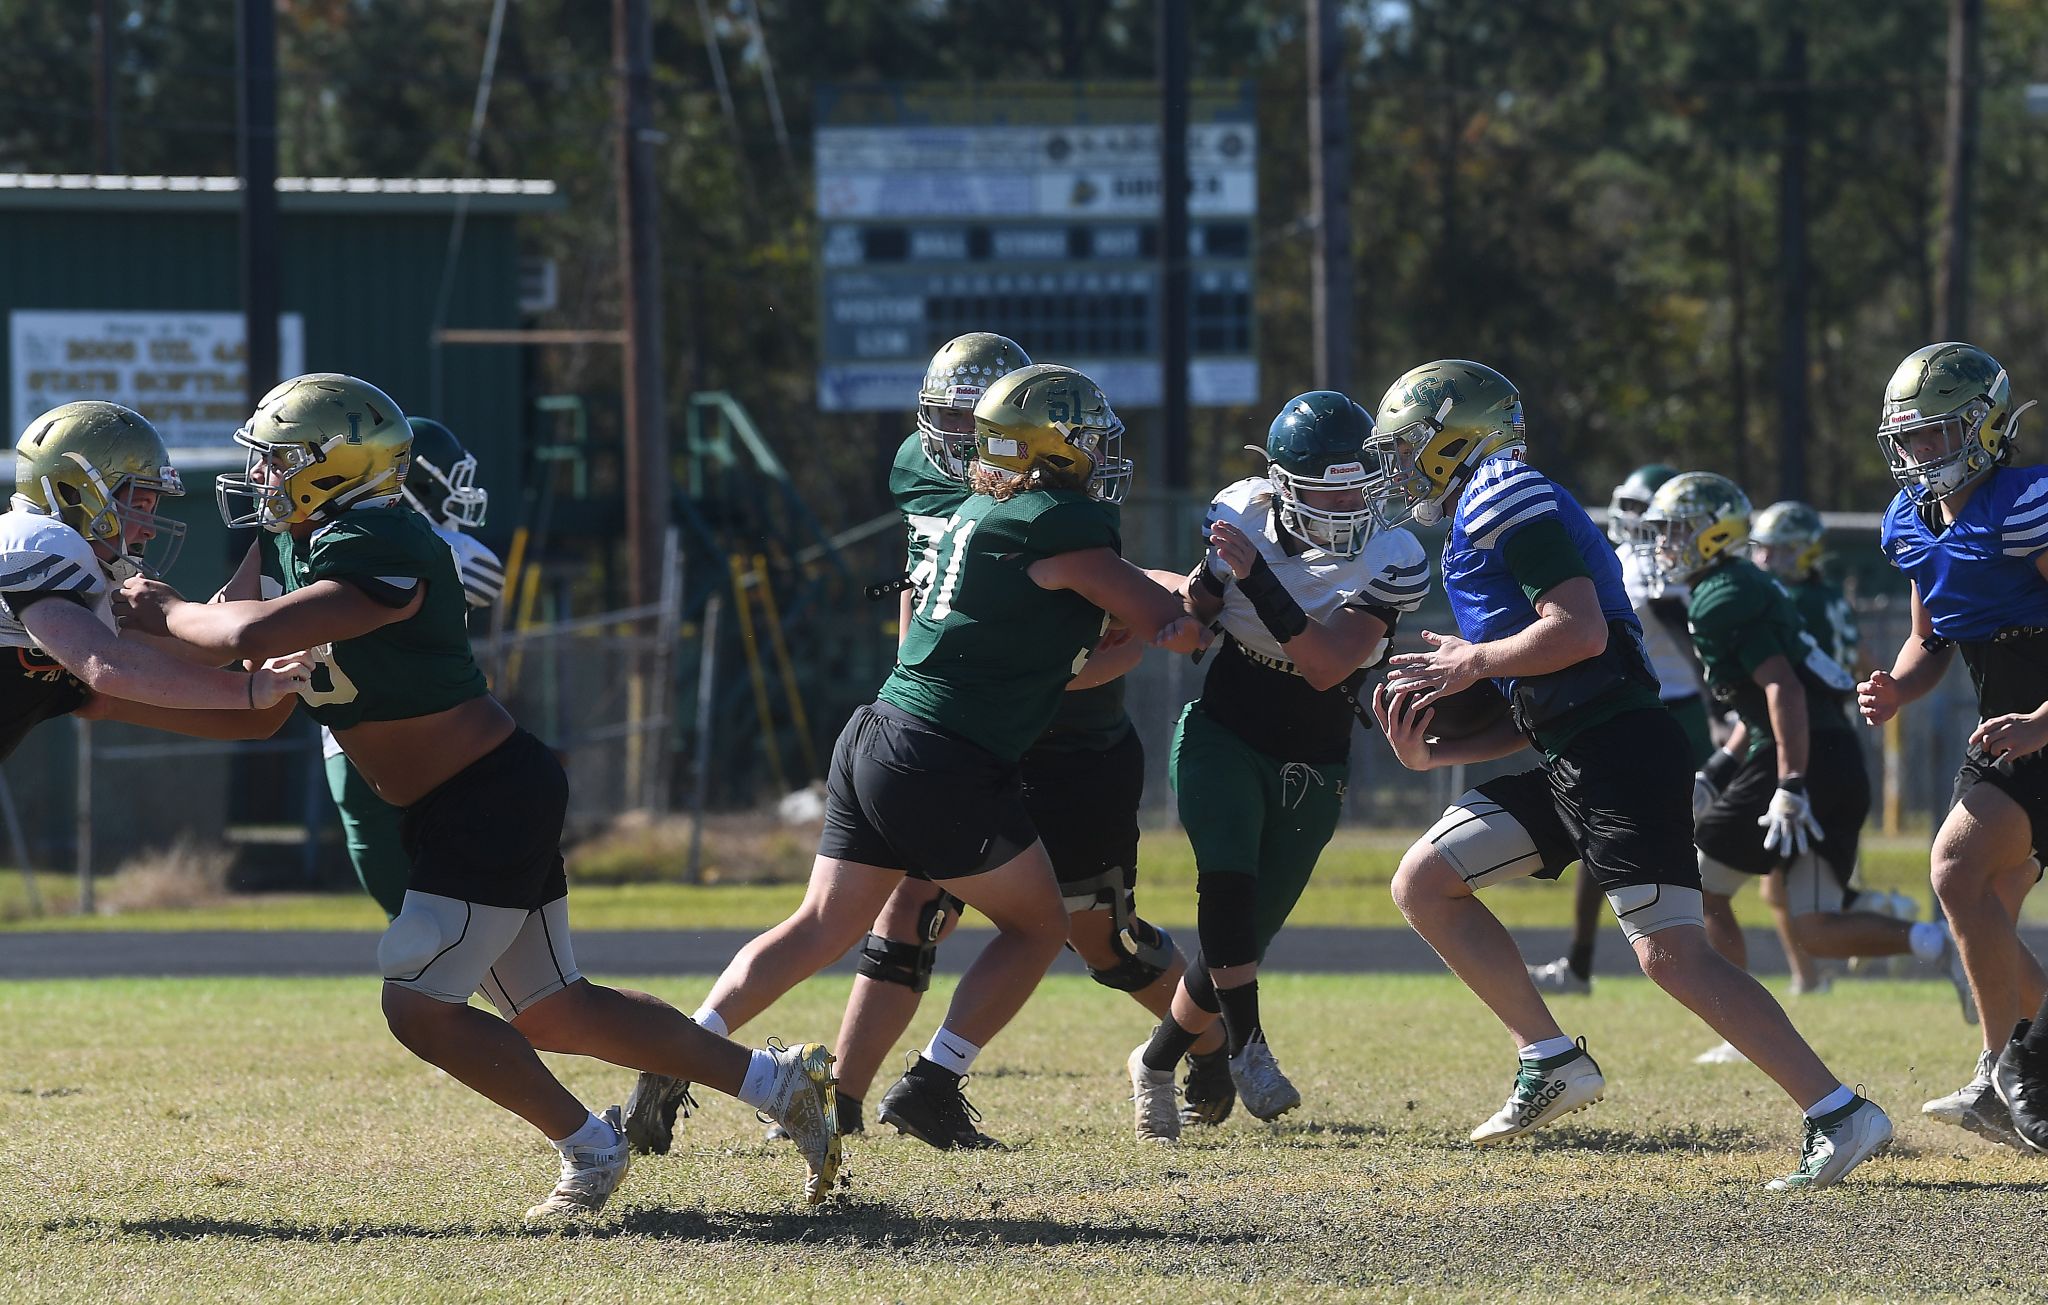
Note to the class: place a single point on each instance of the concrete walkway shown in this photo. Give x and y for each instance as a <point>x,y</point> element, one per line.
<point>56,955</point>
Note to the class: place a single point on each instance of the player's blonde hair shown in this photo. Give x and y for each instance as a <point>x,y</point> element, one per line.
<point>1001,485</point>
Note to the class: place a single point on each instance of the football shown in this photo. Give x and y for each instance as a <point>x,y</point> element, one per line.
<point>1468,712</point>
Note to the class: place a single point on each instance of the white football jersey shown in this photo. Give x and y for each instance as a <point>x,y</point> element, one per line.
<point>1670,660</point>
<point>39,554</point>
<point>1393,571</point>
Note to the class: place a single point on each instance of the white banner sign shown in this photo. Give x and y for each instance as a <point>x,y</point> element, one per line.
<point>184,371</point>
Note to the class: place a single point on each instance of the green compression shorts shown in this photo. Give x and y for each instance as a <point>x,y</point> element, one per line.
<point>1250,814</point>
<point>370,825</point>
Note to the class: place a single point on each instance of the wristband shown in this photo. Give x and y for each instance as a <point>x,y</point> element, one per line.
<point>1275,607</point>
<point>1721,767</point>
<point>1792,783</point>
<point>1210,582</point>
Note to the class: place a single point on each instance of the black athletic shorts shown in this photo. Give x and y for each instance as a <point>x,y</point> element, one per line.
<point>906,795</point>
<point>1618,798</point>
<point>1085,806</point>
<point>492,834</point>
<point>1836,784</point>
<point>2024,781</point>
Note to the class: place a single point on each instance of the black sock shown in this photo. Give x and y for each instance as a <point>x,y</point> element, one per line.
<point>1241,1015</point>
<point>1579,960</point>
<point>1169,1043</point>
<point>936,1074</point>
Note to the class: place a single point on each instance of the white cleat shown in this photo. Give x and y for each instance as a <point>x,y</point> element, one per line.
<point>1725,1054</point>
<point>1545,1091</point>
<point>805,1108</point>
<point>1153,1100</point>
<point>1556,977</point>
<point>590,1174</point>
<point>1837,1143</point>
<point>1265,1091</point>
<point>1975,1106</point>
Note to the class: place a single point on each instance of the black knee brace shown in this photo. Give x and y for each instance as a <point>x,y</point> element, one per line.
<point>1145,952</point>
<point>888,961</point>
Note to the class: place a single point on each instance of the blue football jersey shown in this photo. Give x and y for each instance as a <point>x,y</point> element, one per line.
<point>1978,576</point>
<point>1506,496</point>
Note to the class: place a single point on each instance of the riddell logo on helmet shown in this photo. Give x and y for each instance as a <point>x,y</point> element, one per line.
<point>1900,418</point>
<point>1344,469</point>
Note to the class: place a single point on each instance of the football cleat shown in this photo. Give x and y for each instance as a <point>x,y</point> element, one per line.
<point>801,1101</point>
<point>2020,1083</point>
<point>1557,977</point>
<point>1207,1093</point>
<point>1265,1091</point>
<point>1545,1091</point>
<point>1725,1054</point>
<point>590,1174</point>
<point>1835,1144</point>
<point>1152,1099</point>
<point>651,1112</point>
<point>930,1106</point>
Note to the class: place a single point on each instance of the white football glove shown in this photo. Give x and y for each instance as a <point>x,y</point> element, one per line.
<point>482,574</point>
<point>1788,824</point>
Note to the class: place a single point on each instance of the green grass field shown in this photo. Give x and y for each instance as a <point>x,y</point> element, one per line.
<point>1350,888</point>
<point>250,1139</point>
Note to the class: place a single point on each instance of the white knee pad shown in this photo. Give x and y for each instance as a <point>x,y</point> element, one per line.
<point>1721,879</point>
<point>1644,909</point>
<point>443,946</point>
<point>1483,842</point>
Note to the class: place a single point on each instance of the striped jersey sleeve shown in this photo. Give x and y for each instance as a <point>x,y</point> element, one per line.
<point>1504,495</point>
<point>1399,572</point>
<point>2024,531</point>
<point>481,573</point>
<point>40,555</point>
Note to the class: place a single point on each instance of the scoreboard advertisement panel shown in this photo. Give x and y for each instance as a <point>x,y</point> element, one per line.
<point>1029,209</point>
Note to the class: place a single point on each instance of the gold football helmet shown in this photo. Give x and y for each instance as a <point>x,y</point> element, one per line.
<point>963,368</point>
<point>1435,426</point>
<point>1784,538</point>
<point>1048,419</point>
<point>84,462</point>
<point>1692,521</point>
<point>318,445</point>
<point>1948,418</point>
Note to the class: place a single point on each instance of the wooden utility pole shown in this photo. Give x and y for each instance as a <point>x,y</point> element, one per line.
<point>256,157</point>
<point>1329,179</point>
<point>1173,238</point>
<point>647,473</point>
<point>1794,419</point>
<point>1959,172</point>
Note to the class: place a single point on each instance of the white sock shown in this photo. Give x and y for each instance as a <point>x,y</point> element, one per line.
<point>1832,1102</point>
<point>1547,1048</point>
<point>948,1050</point>
<point>1928,938</point>
<point>709,1019</point>
<point>758,1087</point>
<point>595,1132</point>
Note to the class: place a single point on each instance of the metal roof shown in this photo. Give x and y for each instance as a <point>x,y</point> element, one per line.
<point>294,194</point>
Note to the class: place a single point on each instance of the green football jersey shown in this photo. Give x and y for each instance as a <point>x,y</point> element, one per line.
<point>1829,618</point>
<point>1088,720</point>
<point>1740,619</point>
<point>989,653</point>
<point>414,667</point>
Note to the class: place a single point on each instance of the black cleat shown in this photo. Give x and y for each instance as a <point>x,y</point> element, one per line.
<point>927,1104</point>
<point>651,1113</point>
<point>2022,1084</point>
<point>1207,1093</point>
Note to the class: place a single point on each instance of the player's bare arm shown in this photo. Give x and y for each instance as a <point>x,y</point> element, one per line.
<point>326,612</point>
<point>126,668</point>
<point>1569,628</point>
<point>1916,670</point>
<point>1785,698</point>
<point>1126,593</point>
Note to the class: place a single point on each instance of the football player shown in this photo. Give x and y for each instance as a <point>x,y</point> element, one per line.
<point>367,580</point>
<point>1307,592</point>
<point>1083,779</point>
<point>926,781</point>
<point>1970,531</point>
<point>88,478</point>
<point>1660,607</point>
<point>1794,768</point>
<point>1541,610</point>
<point>440,484</point>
